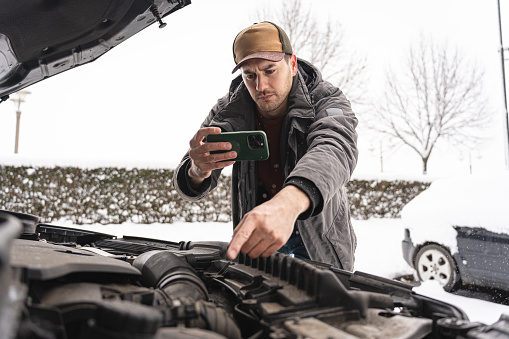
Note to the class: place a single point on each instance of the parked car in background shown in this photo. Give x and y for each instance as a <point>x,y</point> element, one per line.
<point>457,232</point>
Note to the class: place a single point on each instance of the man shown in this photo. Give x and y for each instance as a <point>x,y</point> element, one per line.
<point>295,201</point>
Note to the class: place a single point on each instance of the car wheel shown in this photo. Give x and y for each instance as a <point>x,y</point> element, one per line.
<point>434,262</point>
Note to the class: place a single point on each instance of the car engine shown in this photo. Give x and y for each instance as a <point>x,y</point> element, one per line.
<point>59,282</point>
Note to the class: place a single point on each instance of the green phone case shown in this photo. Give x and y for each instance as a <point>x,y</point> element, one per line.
<point>249,145</point>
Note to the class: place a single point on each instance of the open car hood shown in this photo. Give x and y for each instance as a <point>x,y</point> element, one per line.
<point>39,39</point>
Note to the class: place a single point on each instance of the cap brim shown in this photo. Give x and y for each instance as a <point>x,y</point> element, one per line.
<point>270,56</point>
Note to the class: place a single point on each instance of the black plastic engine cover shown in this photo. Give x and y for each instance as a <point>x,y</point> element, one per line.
<point>43,261</point>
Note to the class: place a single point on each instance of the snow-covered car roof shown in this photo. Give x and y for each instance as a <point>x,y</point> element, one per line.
<point>465,201</point>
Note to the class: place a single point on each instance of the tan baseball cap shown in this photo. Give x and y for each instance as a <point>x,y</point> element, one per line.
<point>264,40</point>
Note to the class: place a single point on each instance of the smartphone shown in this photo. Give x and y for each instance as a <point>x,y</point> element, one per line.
<point>249,145</point>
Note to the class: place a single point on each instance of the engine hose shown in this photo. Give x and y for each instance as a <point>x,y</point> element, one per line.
<point>168,272</point>
<point>213,318</point>
<point>185,292</point>
<point>181,284</point>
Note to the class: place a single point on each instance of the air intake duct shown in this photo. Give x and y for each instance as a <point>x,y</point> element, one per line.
<point>168,272</point>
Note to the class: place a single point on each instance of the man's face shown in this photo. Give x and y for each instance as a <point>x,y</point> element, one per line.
<point>269,83</point>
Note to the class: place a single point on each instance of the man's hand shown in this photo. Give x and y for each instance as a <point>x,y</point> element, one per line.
<point>202,161</point>
<point>267,227</point>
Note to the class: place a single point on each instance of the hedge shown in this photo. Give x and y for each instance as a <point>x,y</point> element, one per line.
<point>117,195</point>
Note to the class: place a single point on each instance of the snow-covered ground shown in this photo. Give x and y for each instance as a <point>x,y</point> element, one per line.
<point>378,252</point>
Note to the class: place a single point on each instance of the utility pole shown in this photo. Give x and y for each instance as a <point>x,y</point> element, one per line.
<point>506,125</point>
<point>21,95</point>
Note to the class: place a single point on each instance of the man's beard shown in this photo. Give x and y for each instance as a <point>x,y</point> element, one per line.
<point>271,106</point>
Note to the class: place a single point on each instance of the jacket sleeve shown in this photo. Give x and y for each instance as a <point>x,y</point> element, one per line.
<point>332,153</point>
<point>180,179</point>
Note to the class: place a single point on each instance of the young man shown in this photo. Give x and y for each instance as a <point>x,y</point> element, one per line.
<point>295,201</point>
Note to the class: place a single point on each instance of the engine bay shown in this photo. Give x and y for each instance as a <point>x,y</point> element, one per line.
<point>60,282</point>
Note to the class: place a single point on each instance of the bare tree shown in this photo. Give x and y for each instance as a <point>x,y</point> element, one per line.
<point>325,46</point>
<point>436,96</point>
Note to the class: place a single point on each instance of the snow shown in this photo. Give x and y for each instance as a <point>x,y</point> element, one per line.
<point>378,252</point>
<point>471,201</point>
<point>477,310</point>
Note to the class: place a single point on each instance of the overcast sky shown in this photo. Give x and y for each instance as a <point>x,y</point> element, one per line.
<point>142,102</point>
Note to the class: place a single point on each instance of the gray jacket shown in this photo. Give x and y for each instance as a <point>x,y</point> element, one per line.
<point>318,145</point>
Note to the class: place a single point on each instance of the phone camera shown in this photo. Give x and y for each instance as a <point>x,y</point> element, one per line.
<point>255,141</point>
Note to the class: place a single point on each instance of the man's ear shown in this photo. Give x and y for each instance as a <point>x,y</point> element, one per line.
<point>293,64</point>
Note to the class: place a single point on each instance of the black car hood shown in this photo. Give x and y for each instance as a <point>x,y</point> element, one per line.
<point>41,38</point>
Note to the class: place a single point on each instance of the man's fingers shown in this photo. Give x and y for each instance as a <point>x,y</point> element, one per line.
<point>201,154</point>
<point>256,236</point>
<point>239,239</point>
<point>254,248</point>
<point>202,133</point>
<point>272,249</point>
<point>215,146</point>
<point>260,248</point>
<point>204,153</point>
<point>253,242</point>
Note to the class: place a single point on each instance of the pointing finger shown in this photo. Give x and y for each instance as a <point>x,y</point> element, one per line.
<point>242,233</point>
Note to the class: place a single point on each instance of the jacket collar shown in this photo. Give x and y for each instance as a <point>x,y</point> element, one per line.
<point>238,114</point>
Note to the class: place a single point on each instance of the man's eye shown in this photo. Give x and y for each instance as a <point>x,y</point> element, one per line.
<point>250,76</point>
<point>270,71</point>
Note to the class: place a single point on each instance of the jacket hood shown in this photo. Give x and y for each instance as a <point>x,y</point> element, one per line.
<point>310,74</point>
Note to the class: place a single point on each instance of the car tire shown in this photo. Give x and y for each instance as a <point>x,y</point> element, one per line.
<point>433,262</point>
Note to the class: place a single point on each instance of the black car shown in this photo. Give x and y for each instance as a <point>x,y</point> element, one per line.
<point>60,282</point>
<point>458,232</point>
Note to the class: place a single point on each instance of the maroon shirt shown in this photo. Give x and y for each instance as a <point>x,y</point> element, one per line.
<point>270,171</point>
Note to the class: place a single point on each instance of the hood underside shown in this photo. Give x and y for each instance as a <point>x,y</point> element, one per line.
<point>39,39</point>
